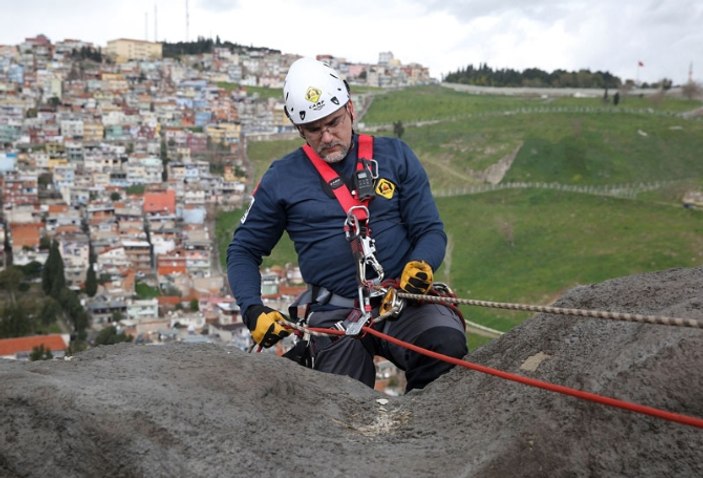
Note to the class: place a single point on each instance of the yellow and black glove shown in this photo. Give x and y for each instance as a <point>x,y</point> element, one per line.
<point>416,277</point>
<point>265,325</point>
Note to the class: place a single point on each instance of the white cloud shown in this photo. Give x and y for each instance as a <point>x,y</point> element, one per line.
<point>442,34</point>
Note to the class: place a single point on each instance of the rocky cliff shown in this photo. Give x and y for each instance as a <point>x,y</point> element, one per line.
<point>183,410</point>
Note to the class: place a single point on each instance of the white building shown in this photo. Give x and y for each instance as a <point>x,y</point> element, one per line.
<point>142,310</point>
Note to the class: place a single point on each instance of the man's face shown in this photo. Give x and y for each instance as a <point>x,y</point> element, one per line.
<point>331,136</point>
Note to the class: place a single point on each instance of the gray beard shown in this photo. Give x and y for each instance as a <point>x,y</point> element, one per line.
<point>335,157</point>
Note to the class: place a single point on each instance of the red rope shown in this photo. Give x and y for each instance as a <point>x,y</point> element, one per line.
<point>592,397</point>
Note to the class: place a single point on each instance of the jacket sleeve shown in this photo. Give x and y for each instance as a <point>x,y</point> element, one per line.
<point>419,212</point>
<point>258,232</point>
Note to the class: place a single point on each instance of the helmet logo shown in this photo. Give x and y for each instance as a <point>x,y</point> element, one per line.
<point>313,94</point>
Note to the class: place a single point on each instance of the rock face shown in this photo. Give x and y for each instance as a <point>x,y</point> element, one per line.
<point>195,410</point>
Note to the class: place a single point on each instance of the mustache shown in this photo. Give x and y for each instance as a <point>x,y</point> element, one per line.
<point>332,144</point>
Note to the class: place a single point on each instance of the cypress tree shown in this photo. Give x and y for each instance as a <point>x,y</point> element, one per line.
<point>91,282</point>
<point>53,279</point>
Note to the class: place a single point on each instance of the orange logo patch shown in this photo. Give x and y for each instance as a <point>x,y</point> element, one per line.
<point>385,188</point>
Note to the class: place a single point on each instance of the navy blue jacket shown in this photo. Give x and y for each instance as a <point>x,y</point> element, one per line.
<point>292,197</point>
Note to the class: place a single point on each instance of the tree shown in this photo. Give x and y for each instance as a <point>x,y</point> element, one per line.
<point>53,280</point>
<point>49,311</point>
<point>40,353</point>
<point>91,281</point>
<point>10,280</point>
<point>32,270</point>
<point>531,77</point>
<point>116,316</point>
<point>398,129</point>
<point>71,305</point>
<point>163,151</point>
<point>110,336</point>
<point>691,90</point>
<point>14,322</point>
<point>44,242</point>
<point>44,180</point>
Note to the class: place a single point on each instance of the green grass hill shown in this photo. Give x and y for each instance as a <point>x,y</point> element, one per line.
<point>587,191</point>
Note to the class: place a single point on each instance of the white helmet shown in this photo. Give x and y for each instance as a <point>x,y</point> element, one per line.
<point>313,90</point>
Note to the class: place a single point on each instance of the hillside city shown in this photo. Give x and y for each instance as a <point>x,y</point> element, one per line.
<point>124,161</point>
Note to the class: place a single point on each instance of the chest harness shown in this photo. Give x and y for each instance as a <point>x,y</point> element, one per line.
<point>369,272</point>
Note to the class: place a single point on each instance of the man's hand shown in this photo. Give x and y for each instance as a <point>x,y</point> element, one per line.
<point>264,323</point>
<point>416,277</point>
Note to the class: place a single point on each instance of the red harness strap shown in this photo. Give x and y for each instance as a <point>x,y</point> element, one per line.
<point>365,146</point>
<point>330,176</point>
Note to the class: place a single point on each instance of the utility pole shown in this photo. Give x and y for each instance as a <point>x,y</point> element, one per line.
<point>156,24</point>
<point>187,21</point>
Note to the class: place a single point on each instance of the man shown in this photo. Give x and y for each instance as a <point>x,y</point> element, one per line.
<point>402,220</point>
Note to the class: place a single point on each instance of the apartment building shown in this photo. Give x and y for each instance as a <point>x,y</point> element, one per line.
<point>139,255</point>
<point>75,250</point>
<point>224,133</point>
<point>20,188</point>
<point>142,310</point>
<point>123,50</point>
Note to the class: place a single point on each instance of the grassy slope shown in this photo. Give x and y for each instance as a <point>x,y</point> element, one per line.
<point>639,141</point>
<point>530,245</point>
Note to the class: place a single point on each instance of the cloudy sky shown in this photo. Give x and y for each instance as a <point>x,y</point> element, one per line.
<point>666,36</point>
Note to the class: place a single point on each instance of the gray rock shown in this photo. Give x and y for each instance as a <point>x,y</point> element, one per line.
<point>205,410</point>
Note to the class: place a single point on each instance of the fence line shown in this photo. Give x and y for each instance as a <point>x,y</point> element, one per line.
<point>628,191</point>
<point>686,115</point>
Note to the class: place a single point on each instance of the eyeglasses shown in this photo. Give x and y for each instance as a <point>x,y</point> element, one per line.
<point>315,131</point>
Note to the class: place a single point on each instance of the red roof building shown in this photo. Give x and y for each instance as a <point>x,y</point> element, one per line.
<point>25,235</point>
<point>21,347</point>
<point>160,202</point>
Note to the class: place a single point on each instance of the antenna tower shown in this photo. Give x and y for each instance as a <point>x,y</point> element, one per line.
<point>187,22</point>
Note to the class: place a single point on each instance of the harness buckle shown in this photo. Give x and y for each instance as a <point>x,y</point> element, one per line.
<point>364,313</point>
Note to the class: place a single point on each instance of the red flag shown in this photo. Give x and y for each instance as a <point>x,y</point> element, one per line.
<point>639,63</point>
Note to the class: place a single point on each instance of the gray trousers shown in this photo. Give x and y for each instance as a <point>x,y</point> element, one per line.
<point>353,356</point>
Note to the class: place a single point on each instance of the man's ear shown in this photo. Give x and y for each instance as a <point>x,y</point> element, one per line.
<point>351,110</point>
<point>300,131</point>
